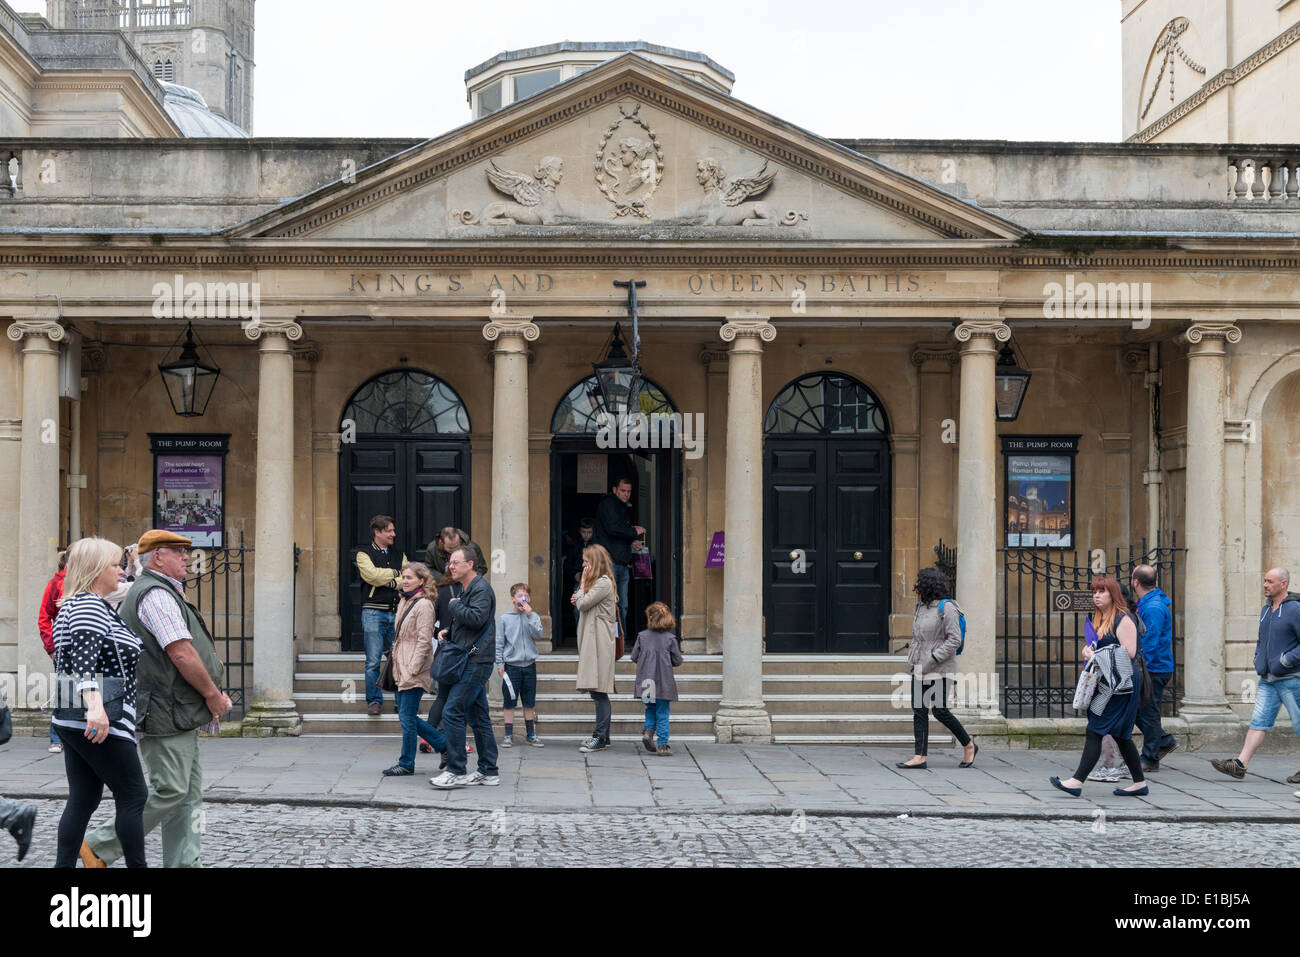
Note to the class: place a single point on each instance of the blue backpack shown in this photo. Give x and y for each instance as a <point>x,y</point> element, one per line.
<point>961,620</point>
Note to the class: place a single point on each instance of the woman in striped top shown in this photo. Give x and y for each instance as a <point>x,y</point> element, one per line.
<point>90,642</point>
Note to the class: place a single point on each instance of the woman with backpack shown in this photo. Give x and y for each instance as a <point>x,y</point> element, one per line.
<point>932,663</point>
<point>1114,706</point>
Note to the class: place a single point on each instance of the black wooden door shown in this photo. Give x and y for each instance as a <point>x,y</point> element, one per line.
<point>423,484</point>
<point>826,544</point>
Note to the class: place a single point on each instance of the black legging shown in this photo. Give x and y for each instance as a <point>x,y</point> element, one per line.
<point>936,702</point>
<point>435,709</point>
<point>1092,751</point>
<point>604,712</point>
<point>89,767</point>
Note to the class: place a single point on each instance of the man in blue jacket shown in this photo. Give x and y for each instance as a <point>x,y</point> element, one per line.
<point>1158,652</point>
<point>472,611</point>
<point>1277,662</point>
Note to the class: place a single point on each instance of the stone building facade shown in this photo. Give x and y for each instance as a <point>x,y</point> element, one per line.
<point>427,315</point>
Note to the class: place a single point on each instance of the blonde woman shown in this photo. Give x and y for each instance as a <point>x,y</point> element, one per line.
<point>412,654</point>
<point>92,643</point>
<point>597,599</point>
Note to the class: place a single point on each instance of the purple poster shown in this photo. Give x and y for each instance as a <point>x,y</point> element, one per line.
<point>715,559</point>
<point>189,490</point>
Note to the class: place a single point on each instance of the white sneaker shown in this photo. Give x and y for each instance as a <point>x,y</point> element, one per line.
<point>1122,772</point>
<point>478,777</point>
<point>446,780</point>
<point>507,741</point>
<point>56,749</point>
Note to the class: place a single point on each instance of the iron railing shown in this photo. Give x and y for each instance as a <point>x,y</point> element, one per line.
<point>1040,647</point>
<point>217,589</point>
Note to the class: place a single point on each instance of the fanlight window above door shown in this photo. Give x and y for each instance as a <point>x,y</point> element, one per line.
<point>825,404</point>
<point>407,402</point>
<point>580,411</point>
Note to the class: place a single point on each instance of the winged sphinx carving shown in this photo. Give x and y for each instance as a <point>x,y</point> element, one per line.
<point>535,203</point>
<point>725,200</point>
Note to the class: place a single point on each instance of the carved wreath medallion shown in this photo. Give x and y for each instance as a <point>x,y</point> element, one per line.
<point>629,167</point>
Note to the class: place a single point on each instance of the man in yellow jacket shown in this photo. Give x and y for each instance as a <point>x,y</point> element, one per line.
<point>380,566</point>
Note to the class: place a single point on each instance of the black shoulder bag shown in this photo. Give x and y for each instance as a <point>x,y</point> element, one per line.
<point>69,705</point>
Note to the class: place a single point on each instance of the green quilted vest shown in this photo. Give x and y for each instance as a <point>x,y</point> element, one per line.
<point>165,702</point>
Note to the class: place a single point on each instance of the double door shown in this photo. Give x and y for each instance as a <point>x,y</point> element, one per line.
<point>826,544</point>
<point>423,485</point>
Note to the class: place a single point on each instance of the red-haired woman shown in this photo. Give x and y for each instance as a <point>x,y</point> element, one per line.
<point>1114,707</point>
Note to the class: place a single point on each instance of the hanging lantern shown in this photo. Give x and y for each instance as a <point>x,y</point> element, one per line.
<point>189,380</point>
<point>618,376</point>
<point>1012,384</point>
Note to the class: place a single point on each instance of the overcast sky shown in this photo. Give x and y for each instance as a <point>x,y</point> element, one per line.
<point>969,69</point>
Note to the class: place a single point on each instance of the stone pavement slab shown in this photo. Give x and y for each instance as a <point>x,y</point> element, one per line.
<point>718,779</point>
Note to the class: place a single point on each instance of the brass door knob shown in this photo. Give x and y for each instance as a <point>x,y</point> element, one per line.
<point>794,555</point>
<point>857,556</point>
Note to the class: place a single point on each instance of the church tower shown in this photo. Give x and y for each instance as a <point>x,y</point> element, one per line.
<point>206,45</point>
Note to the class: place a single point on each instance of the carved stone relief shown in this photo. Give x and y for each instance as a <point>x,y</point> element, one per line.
<point>630,167</point>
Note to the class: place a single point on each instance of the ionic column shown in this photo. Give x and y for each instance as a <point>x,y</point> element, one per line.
<point>1203,614</point>
<point>273,711</point>
<point>977,510</point>
<point>38,486</point>
<point>508,537</point>
<point>741,716</point>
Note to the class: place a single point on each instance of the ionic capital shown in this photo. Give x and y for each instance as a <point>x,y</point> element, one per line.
<point>1210,338</point>
<point>934,357</point>
<point>748,327</point>
<point>308,352</point>
<point>983,332</point>
<point>512,327</point>
<point>21,329</point>
<point>264,326</point>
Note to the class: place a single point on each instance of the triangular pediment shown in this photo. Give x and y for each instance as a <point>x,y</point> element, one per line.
<point>628,150</point>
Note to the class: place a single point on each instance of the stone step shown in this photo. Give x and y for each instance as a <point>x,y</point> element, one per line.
<point>795,666</point>
<point>858,685</point>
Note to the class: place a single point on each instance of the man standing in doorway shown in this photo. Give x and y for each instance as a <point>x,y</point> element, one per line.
<point>615,531</point>
<point>1277,662</point>
<point>380,566</point>
<point>179,676</point>
<point>1158,652</point>
<point>473,628</point>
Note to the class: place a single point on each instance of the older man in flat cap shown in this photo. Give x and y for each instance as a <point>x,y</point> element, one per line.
<point>179,690</point>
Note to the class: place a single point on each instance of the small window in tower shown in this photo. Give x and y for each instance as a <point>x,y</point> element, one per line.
<point>157,69</point>
<point>531,83</point>
<point>169,72</point>
<point>489,99</point>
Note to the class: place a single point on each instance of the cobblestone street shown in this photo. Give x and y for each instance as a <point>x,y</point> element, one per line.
<point>271,835</point>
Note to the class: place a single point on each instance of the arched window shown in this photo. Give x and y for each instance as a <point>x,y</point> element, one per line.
<point>580,411</point>
<point>825,404</point>
<point>407,402</point>
<point>164,70</point>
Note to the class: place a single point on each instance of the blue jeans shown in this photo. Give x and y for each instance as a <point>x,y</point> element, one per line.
<point>1270,697</point>
<point>1154,737</point>
<point>621,576</point>
<point>414,727</point>
<point>656,716</point>
<point>54,738</point>
<point>468,697</point>
<point>377,630</point>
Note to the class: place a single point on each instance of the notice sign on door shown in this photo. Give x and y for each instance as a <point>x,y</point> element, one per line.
<point>189,486</point>
<point>716,552</point>
<point>591,474</point>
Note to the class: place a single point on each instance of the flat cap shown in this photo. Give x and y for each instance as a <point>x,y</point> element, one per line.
<point>157,537</point>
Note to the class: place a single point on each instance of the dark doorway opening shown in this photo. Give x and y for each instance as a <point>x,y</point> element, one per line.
<point>827,519</point>
<point>409,458</point>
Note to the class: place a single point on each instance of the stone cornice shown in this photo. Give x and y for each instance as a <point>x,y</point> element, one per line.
<point>1217,82</point>
<point>711,355</point>
<point>122,256</point>
<point>308,352</point>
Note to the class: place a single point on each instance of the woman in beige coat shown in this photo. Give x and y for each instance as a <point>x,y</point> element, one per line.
<point>931,659</point>
<point>597,599</point>
<point>412,653</point>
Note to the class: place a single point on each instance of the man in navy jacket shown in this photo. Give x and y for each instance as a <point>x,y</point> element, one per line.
<point>1158,652</point>
<point>1277,662</point>
<point>473,627</point>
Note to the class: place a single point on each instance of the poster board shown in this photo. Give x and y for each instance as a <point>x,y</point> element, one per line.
<point>189,486</point>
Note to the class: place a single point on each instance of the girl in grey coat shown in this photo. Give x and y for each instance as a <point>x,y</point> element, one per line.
<point>932,664</point>
<point>656,655</point>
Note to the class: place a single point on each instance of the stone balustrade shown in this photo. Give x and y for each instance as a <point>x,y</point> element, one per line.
<point>1268,178</point>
